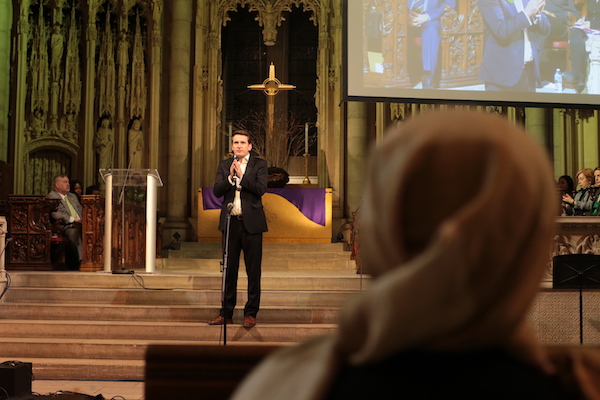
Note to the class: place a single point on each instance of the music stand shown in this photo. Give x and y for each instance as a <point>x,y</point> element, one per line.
<point>576,271</point>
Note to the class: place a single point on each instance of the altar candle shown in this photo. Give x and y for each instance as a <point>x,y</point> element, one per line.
<point>306,138</point>
<point>230,134</point>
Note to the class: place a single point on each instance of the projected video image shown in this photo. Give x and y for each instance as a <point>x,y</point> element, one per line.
<point>541,51</point>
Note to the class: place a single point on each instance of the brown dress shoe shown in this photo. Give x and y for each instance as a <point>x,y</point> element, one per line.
<point>220,321</point>
<point>249,321</point>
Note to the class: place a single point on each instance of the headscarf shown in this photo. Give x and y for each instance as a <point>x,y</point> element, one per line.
<point>455,264</point>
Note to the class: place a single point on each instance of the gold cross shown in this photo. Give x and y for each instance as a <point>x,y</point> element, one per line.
<point>271,86</point>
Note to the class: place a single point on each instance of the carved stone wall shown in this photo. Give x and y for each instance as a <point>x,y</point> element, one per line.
<point>79,63</point>
<point>461,44</point>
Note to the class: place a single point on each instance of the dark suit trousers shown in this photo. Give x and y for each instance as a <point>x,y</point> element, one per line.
<point>579,57</point>
<point>525,84</point>
<point>251,244</point>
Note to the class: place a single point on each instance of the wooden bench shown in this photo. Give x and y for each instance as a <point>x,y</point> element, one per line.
<point>37,245</point>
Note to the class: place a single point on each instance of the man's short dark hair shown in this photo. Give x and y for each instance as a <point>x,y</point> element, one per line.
<point>243,133</point>
<point>60,176</point>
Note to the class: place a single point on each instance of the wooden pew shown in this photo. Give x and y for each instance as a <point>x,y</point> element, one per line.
<point>31,230</point>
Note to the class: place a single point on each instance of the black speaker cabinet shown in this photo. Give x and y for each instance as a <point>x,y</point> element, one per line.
<point>576,271</point>
<point>15,378</point>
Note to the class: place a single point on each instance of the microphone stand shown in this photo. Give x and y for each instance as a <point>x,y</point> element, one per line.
<point>225,261</point>
<point>121,202</point>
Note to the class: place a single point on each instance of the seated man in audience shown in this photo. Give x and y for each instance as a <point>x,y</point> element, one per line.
<point>68,214</point>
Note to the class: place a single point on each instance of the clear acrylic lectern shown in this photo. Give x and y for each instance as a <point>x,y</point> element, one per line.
<point>121,178</point>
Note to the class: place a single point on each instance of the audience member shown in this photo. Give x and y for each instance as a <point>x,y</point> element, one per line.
<point>445,315</point>
<point>68,214</point>
<point>93,189</point>
<point>596,205</point>
<point>583,201</point>
<point>77,188</point>
<point>565,185</point>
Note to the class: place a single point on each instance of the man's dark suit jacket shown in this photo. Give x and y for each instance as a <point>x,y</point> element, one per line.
<point>561,8</point>
<point>503,52</point>
<point>254,185</point>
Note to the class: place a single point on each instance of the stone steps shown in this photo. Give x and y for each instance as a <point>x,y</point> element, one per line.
<point>97,326</point>
<point>276,256</point>
<point>110,297</point>
<point>293,262</point>
<point>276,314</point>
<point>203,279</point>
<point>108,333</point>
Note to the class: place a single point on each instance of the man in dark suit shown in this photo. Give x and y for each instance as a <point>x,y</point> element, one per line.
<point>425,22</point>
<point>511,51</point>
<point>242,181</point>
<point>68,214</point>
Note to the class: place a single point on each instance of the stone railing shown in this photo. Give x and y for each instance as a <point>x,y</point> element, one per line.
<point>574,235</point>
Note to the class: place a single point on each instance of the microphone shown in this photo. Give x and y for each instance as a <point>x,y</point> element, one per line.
<point>229,207</point>
<point>236,179</point>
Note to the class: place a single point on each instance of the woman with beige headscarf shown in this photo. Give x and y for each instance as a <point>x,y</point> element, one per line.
<point>451,286</point>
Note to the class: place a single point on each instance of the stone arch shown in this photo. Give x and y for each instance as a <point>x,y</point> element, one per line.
<point>45,159</point>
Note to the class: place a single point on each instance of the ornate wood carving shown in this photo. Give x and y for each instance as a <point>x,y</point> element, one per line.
<point>31,230</point>
<point>131,245</point>
<point>29,227</point>
<point>461,39</point>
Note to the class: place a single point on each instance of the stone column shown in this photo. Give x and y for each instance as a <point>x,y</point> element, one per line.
<point>561,136</point>
<point>588,137</point>
<point>155,67</point>
<point>179,121</point>
<point>535,123</point>
<point>5,26</point>
<point>357,145</point>
<point>90,173</point>
<point>20,96</point>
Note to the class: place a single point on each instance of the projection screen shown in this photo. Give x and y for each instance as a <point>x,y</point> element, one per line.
<point>384,58</point>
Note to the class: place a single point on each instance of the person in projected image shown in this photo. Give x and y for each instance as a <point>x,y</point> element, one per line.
<point>583,202</point>
<point>561,14</point>
<point>425,23</point>
<point>511,51</point>
<point>579,57</point>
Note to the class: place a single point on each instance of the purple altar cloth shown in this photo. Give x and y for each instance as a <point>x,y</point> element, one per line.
<point>310,202</point>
